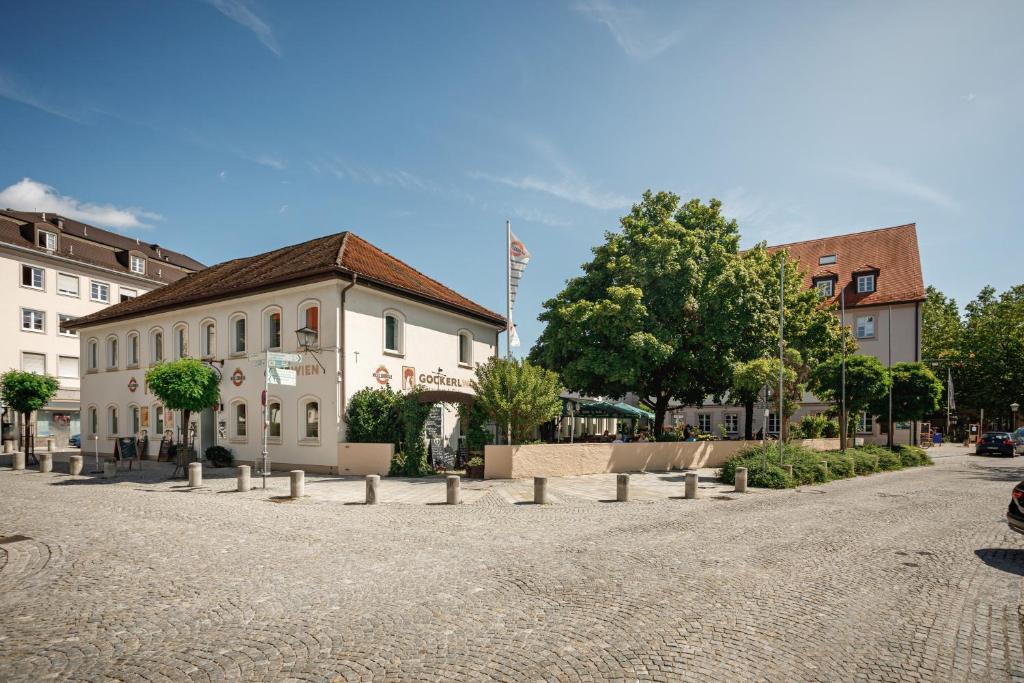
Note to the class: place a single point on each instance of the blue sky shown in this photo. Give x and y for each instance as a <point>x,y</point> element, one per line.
<point>228,127</point>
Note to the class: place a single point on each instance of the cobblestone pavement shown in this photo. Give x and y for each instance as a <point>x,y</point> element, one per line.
<point>901,576</point>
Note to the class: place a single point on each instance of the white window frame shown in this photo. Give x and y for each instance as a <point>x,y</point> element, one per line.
<point>304,438</point>
<point>33,271</point>
<point>179,341</point>
<point>113,421</point>
<point>77,294</point>
<point>866,283</point>
<point>208,346</point>
<point>35,354</point>
<point>703,418</point>
<point>734,418</point>
<point>774,424</point>
<point>126,294</point>
<point>154,357</point>
<point>399,332</point>
<point>34,314</point>
<point>468,337</point>
<point>112,352</point>
<point>134,259</point>
<point>46,234</point>
<point>826,260</point>
<point>865,424</point>
<point>274,400</point>
<point>133,347</point>
<point>267,315</point>
<point>869,322</point>
<point>99,286</point>
<point>62,318</point>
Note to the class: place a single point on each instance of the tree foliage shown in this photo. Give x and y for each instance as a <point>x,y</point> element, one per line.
<point>517,394</point>
<point>372,416</point>
<point>867,383</point>
<point>992,352</point>
<point>27,392</point>
<point>915,393</point>
<point>941,327</point>
<point>188,385</point>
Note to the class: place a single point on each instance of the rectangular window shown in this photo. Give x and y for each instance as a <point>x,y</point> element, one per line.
<point>127,294</point>
<point>67,284</point>
<point>465,349</point>
<point>112,355</point>
<point>47,240</point>
<point>138,264</point>
<point>133,415</point>
<point>65,318</point>
<point>825,288</point>
<point>865,284</point>
<point>158,420</point>
<point>239,335</point>
<point>32,277</point>
<point>826,260</point>
<point>732,423</point>
<point>773,423</point>
<point>864,424</point>
<point>67,366</point>
<point>312,420</point>
<point>866,327</point>
<point>99,291</point>
<point>704,422</point>
<point>274,418</point>
<point>274,331</point>
<point>33,362</point>
<point>33,320</point>
<point>133,349</point>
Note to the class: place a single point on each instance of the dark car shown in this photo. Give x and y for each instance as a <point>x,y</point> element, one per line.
<point>1002,443</point>
<point>1015,513</point>
<point>75,441</point>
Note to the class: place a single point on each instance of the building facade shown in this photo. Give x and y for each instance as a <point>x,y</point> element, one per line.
<point>373,322</point>
<point>877,274</point>
<point>57,270</point>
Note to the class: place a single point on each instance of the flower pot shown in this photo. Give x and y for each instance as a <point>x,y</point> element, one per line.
<point>474,471</point>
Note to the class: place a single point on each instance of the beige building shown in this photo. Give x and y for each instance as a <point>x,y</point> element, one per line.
<point>357,317</point>
<point>55,270</point>
<point>878,273</point>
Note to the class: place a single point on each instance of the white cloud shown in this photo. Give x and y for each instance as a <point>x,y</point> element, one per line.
<point>241,13</point>
<point>31,195</point>
<point>270,162</point>
<point>543,217</point>
<point>14,91</point>
<point>222,175</point>
<point>897,181</point>
<point>969,97</point>
<point>638,35</point>
<point>773,220</point>
<point>284,207</point>
<point>569,188</point>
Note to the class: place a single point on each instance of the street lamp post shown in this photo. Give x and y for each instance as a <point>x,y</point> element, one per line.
<point>1014,407</point>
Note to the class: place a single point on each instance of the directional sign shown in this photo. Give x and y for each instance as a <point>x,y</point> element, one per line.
<point>275,357</point>
<point>281,376</point>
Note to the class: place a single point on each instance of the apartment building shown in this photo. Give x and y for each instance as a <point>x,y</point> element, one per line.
<point>878,274</point>
<point>55,270</point>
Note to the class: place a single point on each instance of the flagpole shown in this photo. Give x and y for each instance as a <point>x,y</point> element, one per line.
<point>782,356</point>
<point>508,288</point>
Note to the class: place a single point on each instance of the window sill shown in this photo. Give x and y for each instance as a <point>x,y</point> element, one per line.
<point>132,366</point>
<point>70,295</point>
<point>237,354</point>
<point>309,442</point>
<point>275,441</point>
<point>34,289</point>
<point>468,366</point>
<point>91,371</point>
<point>394,354</point>
<point>99,301</point>
<point>238,439</point>
<point>33,331</point>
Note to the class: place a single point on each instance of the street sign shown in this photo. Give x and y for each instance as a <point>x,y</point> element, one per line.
<point>274,363</point>
<point>275,357</point>
<point>281,376</point>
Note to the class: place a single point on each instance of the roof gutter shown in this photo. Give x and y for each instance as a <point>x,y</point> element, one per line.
<point>340,355</point>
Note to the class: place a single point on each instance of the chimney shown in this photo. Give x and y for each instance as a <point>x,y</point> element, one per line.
<point>44,216</point>
<point>60,223</point>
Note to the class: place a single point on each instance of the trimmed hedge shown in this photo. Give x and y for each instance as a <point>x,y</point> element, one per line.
<point>807,467</point>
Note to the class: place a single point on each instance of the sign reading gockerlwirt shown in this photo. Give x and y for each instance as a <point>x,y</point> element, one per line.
<point>440,379</point>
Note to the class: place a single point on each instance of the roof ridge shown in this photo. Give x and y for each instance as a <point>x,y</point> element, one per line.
<point>846,234</point>
<point>341,249</point>
<point>418,272</point>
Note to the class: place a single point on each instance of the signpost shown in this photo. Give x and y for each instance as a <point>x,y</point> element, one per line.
<point>276,372</point>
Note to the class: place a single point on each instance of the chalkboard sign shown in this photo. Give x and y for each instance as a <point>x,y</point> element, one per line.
<point>166,450</point>
<point>435,422</point>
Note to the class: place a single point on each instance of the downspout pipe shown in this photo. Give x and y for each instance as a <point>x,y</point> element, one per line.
<point>341,347</point>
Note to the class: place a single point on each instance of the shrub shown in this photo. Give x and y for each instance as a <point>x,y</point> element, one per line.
<point>372,416</point>
<point>889,460</point>
<point>218,456</point>
<point>913,456</point>
<point>831,430</point>
<point>475,462</point>
<point>864,463</point>
<point>840,465</point>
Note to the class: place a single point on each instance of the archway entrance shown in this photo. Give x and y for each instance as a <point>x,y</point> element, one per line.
<point>444,431</point>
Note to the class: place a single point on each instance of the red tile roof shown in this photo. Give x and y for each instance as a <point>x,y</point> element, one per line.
<point>335,256</point>
<point>893,252</point>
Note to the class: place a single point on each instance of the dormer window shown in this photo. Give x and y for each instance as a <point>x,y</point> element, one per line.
<point>47,240</point>
<point>866,283</point>
<point>137,264</point>
<point>826,260</point>
<point>826,287</point>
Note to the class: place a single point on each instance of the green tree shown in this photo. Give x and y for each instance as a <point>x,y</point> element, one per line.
<point>915,394</point>
<point>187,385</point>
<point>654,311</point>
<point>867,383</point>
<point>749,379</point>
<point>518,395</point>
<point>992,352</point>
<point>372,416</point>
<point>941,327</point>
<point>25,393</point>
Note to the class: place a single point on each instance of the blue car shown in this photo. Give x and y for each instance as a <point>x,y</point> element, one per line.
<point>75,441</point>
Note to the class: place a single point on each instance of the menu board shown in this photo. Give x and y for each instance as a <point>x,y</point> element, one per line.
<point>126,448</point>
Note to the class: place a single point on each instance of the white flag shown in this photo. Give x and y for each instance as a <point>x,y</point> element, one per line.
<point>513,339</point>
<point>518,257</point>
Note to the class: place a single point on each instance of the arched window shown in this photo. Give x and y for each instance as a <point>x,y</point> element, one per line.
<point>158,419</point>
<point>309,410</point>
<point>394,332</point>
<point>272,329</point>
<point>112,354</point>
<point>94,360</point>
<point>94,422</point>
<point>309,317</point>
<point>239,419</point>
<point>274,419</point>
<point>112,429</point>
<point>465,348</point>
<point>133,350</point>
<point>180,341</point>
<point>208,338</point>
<point>134,424</point>
<point>156,345</point>
<point>238,333</point>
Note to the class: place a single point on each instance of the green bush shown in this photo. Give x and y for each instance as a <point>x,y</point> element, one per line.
<point>913,456</point>
<point>475,462</point>
<point>840,465</point>
<point>218,456</point>
<point>373,416</point>
<point>865,463</point>
<point>831,430</point>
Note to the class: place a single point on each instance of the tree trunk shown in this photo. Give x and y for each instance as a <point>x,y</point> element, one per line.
<point>748,417</point>
<point>185,415</point>
<point>660,408</point>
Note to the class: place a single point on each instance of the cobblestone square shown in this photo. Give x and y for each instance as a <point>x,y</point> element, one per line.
<point>909,575</point>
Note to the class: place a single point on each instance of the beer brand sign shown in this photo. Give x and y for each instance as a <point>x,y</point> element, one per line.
<point>237,377</point>
<point>133,384</point>
<point>382,375</point>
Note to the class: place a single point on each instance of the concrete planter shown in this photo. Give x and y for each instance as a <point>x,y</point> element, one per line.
<point>474,471</point>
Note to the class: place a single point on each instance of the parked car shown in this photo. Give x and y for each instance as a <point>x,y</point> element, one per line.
<point>75,441</point>
<point>1015,513</point>
<point>1002,443</point>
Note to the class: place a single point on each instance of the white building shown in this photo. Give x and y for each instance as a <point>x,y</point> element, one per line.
<point>377,321</point>
<point>56,270</point>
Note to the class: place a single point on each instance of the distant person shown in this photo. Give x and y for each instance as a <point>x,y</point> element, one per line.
<point>618,439</point>
<point>687,432</point>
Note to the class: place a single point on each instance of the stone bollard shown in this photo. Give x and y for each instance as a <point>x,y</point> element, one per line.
<point>46,462</point>
<point>454,490</point>
<point>540,490</point>
<point>372,483</point>
<point>109,469</point>
<point>691,484</point>
<point>75,465</point>
<point>298,478</point>
<point>51,445</point>
<point>244,478</point>
<point>789,470</point>
<point>824,467</point>
<point>622,488</point>
<point>8,446</point>
<point>741,480</point>
<point>195,474</point>
<point>18,461</point>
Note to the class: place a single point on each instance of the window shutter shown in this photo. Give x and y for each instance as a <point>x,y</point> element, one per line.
<point>34,362</point>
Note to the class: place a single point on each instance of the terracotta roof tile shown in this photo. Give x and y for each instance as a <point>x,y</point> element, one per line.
<point>893,252</point>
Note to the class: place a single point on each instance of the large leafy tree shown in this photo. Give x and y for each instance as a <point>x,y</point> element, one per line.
<point>26,392</point>
<point>657,311</point>
<point>915,394</point>
<point>941,327</point>
<point>187,385</point>
<point>992,351</point>
<point>867,384</point>
<point>518,395</point>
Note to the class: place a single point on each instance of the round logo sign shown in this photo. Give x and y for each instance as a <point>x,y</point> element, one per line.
<point>132,385</point>
<point>237,377</point>
<point>382,375</point>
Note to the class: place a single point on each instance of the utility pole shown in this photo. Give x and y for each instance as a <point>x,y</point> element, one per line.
<point>892,427</point>
<point>842,415</point>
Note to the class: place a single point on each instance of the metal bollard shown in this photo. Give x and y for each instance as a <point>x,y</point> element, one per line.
<point>372,482</point>
<point>75,465</point>
<point>691,484</point>
<point>622,488</point>
<point>46,462</point>
<point>298,478</point>
<point>741,480</point>
<point>18,461</point>
<point>244,478</point>
<point>540,490</point>
<point>195,474</point>
<point>454,490</point>
<point>109,469</point>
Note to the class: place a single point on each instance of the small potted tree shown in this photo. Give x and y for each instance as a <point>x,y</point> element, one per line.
<point>187,385</point>
<point>25,393</point>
